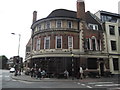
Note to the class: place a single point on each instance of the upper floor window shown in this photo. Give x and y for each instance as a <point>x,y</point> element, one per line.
<point>112,30</point>
<point>39,27</point>
<point>93,26</point>
<point>48,25</point>
<point>94,44</point>
<point>70,42</point>
<point>38,44</point>
<point>113,45</point>
<point>58,24</point>
<point>47,43</point>
<point>69,24</point>
<point>58,42</point>
<point>119,30</point>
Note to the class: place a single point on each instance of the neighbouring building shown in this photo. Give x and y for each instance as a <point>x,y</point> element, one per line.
<point>111,26</point>
<point>119,7</point>
<point>68,39</point>
<point>15,60</point>
<point>10,62</point>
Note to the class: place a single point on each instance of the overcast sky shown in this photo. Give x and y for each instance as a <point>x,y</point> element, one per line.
<point>16,17</point>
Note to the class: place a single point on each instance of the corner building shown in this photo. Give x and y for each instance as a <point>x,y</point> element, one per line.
<point>67,40</point>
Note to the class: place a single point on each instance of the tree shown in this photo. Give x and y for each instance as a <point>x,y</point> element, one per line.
<point>3,62</point>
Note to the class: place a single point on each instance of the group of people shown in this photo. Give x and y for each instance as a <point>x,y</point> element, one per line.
<point>37,73</point>
<point>66,73</point>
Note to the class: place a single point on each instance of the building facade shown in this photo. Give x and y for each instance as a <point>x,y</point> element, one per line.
<point>111,26</point>
<point>66,40</point>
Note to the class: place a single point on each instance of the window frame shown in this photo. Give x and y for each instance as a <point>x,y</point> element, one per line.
<point>59,24</point>
<point>93,26</point>
<point>116,64</point>
<point>70,46</point>
<point>48,25</point>
<point>38,41</point>
<point>69,24</point>
<point>57,42</point>
<point>113,45</point>
<point>45,44</point>
<point>111,30</point>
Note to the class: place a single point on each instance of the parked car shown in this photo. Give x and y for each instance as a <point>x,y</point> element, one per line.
<point>12,70</point>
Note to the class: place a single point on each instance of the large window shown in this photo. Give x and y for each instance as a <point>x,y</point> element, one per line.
<point>87,44</point>
<point>39,27</point>
<point>113,45</point>
<point>47,43</point>
<point>58,24</point>
<point>92,63</point>
<point>69,24</point>
<point>112,30</point>
<point>48,25</point>
<point>119,30</point>
<point>70,42</point>
<point>58,42</point>
<point>115,63</point>
<point>38,44</point>
<point>93,26</point>
<point>94,44</point>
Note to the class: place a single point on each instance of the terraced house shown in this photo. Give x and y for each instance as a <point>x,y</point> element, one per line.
<point>66,40</point>
<point>111,24</point>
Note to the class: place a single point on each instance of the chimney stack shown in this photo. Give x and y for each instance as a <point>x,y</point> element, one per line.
<point>34,16</point>
<point>80,9</point>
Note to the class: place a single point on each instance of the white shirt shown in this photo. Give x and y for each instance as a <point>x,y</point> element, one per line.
<point>81,70</point>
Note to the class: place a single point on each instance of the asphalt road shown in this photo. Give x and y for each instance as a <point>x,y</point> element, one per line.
<point>8,82</point>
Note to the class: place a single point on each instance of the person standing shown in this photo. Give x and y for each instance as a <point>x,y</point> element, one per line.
<point>39,73</point>
<point>81,72</point>
<point>32,72</point>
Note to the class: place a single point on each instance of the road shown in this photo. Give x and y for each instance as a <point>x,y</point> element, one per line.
<point>8,82</point>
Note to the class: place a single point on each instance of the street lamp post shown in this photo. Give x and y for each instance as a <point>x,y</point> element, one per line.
<point>72,66</point>
<point>19,41</point>
<point>19,63</point>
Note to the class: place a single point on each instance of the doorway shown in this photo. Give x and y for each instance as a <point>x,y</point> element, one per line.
<point>102,68</point>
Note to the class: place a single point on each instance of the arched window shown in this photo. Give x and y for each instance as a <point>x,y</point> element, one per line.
<point>94,44</point>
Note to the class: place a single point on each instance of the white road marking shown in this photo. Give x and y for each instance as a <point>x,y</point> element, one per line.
<point>99,82</point>
<point>88,86</point>
<point>14,80</point>
<point>78,83</point>
<point>7,76</point>
<point>83,84</point>
<point>108,85</point>
<point>24,82</point>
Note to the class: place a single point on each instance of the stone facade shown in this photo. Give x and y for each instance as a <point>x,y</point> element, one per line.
<point>66,40</point>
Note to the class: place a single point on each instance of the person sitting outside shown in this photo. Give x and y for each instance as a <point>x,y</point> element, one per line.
<point>66,74</point>
<point>43,73</point>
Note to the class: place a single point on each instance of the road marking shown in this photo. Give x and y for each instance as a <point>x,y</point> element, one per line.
<point>14,80</point>
<point>25,82</point>
<point>78,83</point>
<point>6,76</point>
<point>83,84</point>
<point>108,85</point>
<point>88,86</point>
<point>99,82</point>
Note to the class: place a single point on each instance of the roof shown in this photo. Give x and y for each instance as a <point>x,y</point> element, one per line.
<point>109,13</point>
<point>62,13</point>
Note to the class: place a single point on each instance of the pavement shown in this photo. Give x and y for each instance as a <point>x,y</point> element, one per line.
<point>24,77</point>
